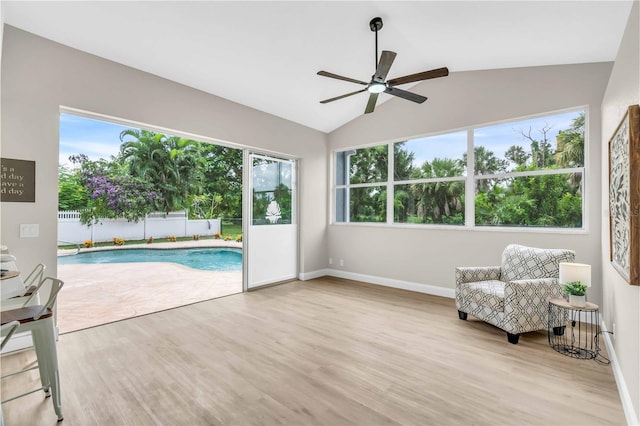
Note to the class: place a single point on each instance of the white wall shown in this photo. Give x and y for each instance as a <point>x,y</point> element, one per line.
<point>621,301</point>
<point>39,76</point>
<point>429,256</point>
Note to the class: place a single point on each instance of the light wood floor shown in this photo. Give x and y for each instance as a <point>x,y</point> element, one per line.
<point>322,352</point>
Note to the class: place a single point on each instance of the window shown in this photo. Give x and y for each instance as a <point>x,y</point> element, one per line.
<point>525,173</point>
<point>272,191</point>
<point>361,184</point>
<point>529,172</point>
<point>429,182</point>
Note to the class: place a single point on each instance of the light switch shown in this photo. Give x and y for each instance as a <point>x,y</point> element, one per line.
<point>29,230</point>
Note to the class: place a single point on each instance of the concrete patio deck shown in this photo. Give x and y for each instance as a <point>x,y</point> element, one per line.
<point>96,294</point>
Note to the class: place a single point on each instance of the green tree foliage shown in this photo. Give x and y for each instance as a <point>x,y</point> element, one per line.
<point>369,165</point>
<point>181,173</point>
<point>439,202</point>
<point>72,195</point>
<point>222,179</point>
<point>543,200</point>
<point>517,155</point>
<point>172,165</point>
<point>570,152</point>
<point>542,152</point>
<point>485,162</point>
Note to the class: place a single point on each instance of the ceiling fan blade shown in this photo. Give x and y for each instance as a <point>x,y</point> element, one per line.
<point>371,105</point>
<point>426,75</point>
<point>339,77</point>
<point>386,60</point>
<point>342,96</point>
<point>405,95</point>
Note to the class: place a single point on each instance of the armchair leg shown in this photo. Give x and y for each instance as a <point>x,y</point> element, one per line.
<point>513,338</point>
<point>462,315</point>
<point>558,331</point>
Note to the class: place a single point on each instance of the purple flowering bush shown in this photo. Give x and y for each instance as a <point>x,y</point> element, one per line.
<point>114,194</point>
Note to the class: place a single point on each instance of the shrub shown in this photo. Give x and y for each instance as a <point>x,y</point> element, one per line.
<point>88,243</point>
<point>149,240</point>
<point>239,238</point>
<point>171,238</point>
<point>118,241</point>
<point>227,238</point>
<point>217,236</point>
<point>196,237</point>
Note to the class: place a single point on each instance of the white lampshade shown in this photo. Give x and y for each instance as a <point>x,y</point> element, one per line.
<point>570,272</point>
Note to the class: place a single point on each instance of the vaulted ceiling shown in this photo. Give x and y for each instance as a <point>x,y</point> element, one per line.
<point>266,54</point>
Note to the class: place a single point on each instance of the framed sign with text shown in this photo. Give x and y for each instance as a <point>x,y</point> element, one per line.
<point>17,181</point>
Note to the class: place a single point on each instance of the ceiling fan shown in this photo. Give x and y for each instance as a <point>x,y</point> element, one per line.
<point>379,84</point>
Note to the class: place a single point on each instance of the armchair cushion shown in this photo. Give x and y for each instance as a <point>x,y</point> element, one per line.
<point>522,263</point>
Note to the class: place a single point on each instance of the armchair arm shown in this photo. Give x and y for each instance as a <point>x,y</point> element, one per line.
<point>468,274</point>
<point>526,303</point>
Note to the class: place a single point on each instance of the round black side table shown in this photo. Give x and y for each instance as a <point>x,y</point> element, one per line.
<point>572,330</point>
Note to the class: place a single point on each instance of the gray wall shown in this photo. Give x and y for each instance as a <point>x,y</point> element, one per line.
<point>621,301</point>
<point>429,256</point>
<point>39,76</point>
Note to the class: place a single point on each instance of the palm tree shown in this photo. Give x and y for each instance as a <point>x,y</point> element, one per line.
<point>437,200</point>
<point>170,163</point>
<point>570,152</point>
<point>485,162</point>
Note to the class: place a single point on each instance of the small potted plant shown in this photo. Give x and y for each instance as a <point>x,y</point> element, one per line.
<point>576,291</point>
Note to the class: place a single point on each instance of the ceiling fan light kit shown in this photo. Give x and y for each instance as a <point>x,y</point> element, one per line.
<point>379,83</point>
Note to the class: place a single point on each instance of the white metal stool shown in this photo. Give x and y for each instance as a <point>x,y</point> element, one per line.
<point>39,321</point>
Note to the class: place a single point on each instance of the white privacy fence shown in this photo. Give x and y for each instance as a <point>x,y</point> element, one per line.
<point>156,225</point>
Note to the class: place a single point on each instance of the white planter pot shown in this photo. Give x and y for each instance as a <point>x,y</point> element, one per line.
<point>577,301</point>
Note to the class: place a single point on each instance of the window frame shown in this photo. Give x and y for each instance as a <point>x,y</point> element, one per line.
<point>470,180</point>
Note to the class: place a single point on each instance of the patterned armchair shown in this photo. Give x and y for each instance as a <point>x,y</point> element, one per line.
<point>514,295</point>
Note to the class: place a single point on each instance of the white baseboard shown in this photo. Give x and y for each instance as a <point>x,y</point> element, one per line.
<point>389,282</point>
<point>305,276</point>
<point>625,398</point>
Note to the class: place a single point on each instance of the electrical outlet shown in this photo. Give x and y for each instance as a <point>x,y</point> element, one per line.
<point>341,262</point>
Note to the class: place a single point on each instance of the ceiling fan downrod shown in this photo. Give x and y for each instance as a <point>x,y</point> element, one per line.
<point>376,25</point>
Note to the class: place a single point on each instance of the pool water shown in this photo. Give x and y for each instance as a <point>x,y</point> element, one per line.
<point>206,259</point>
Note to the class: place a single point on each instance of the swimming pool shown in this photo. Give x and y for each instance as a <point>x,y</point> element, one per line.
<point>206,259</point>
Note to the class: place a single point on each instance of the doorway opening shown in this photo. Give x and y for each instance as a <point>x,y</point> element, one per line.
<point>124,190</point>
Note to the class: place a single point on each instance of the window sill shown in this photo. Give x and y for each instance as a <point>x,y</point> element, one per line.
<point>458,228</point>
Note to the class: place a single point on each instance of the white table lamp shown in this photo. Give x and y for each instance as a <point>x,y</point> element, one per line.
<point>570,272</point>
